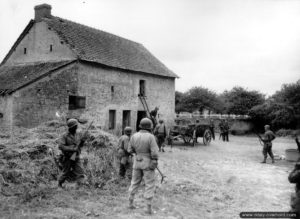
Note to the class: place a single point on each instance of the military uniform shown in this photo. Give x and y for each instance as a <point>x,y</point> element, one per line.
<point>70,168</point>
<point>268,137</point>
<point>294,177</point>
<point>160,133</point>
<point>124,156</point>
<point>144,146</point>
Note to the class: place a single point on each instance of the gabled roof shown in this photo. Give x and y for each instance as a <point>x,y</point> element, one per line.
<point>94,45</point>
<point>15,77</point>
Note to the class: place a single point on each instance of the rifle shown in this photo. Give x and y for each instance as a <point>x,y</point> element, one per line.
<point>73,157</point>
<point>261,141</point>
<point>162,175</point>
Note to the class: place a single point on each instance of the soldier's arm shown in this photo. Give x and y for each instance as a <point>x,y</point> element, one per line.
<point>294,176</point>
<point>63,147</point>
<point>153,148</point>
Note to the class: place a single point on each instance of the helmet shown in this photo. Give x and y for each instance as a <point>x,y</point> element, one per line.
<point>146,124</point>
<point>128,130</point>
<point>71,123</point>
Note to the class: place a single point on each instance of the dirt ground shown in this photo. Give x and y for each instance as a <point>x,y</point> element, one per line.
<point>215,181</point>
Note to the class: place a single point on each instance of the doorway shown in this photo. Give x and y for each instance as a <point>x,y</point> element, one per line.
<point>140,116</point>
<point>126,119</point>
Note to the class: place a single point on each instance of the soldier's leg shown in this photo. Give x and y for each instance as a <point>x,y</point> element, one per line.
<point>66,170</point>
<point>149,177</point>
<point>137,176</point>
<point>264,151</point>
<point>78,172</point>
<point>270,152</point>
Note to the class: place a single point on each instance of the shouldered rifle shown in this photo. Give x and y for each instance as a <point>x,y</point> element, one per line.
<point>73,157</point>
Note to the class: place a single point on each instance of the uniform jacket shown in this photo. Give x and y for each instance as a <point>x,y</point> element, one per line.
<point>268,137</point>
<point>69,141</point>
<point>160,129</point>
<point>144,145</point>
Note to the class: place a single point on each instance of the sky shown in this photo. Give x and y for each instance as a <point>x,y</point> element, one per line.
<point>216,44</point>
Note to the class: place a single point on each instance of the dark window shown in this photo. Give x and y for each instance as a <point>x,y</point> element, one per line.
<point>25,51</point>
<point>112,119</point>
<point>76,102</point>
<point>112,89</point>
<point>142,88</point>
<point>51,47</point>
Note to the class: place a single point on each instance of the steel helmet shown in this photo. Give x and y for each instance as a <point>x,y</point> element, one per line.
<point>71,123</point>
<point>146,124</point>
<point>128,130</point>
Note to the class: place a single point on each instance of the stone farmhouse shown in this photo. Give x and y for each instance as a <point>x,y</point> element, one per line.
<point>59,67</point>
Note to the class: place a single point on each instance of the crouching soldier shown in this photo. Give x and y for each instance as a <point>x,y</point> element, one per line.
<point>144,146</point>
<point>123,152</point>
<point>160,133</point>
<point>70,143</point>
<point>294,177</point>
<point>267,139</point>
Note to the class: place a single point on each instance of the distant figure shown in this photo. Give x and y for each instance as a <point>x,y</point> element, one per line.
<point>153,115</point>
<point>294,177</point>
<point>226,131</point>
<point>221,127</point>
<point>160,132</point>
<point>267,139</point>
<point>212,128</point>
<point>124,156</point>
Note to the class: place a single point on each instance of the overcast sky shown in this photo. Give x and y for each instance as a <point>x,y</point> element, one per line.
<point>216,44</point>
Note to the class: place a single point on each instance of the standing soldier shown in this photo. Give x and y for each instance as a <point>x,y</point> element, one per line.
<point>70,143</point>
<point>294,177</point>
<point>153,115</point>
<point>226,130</point>
<point>222,130</point>
<point>144,146</point>
<point>122,151</point>
<point>212,128</point>
<point>267,139</point>
<point>160,133</point>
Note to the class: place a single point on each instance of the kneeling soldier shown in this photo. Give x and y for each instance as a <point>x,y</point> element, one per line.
<point>144,146</point>
<point>69,144</point>
<point>123,151</point>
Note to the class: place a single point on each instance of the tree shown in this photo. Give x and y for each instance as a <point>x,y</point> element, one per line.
<point>198,99</point>
<point>239,101</point>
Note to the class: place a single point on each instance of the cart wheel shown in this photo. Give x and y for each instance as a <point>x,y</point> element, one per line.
<point>207,137</point>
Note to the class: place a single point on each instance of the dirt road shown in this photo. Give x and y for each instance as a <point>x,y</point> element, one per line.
<point>216,181</point>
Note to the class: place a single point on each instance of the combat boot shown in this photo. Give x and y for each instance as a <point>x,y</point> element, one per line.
<point>273,161</point>
<point>149,209</point>
<point>264,161</point>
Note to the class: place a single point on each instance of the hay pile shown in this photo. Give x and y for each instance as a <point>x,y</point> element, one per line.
<point>29,159</point>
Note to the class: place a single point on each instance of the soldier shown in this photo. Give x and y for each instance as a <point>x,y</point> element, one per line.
<point>123,153</point>
<point>212,128</point>
<point>222,130</point>
<point>226,130</point>
<point>160,133</point>
<point>153,115</point>
<point>144,146</point>
<point>267,139</point>
<point>69,144</point>
<point>294,177</point>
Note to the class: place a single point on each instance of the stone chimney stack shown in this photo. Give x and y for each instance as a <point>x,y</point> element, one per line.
<point>42,11</point>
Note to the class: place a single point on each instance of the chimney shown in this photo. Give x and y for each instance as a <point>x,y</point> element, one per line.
<point>42,11</point>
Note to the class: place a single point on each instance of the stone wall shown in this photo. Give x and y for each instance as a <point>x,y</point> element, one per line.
<point>37,43</point>
<point>6,106</point>
<point>95,83</point>
<point>44,99</point>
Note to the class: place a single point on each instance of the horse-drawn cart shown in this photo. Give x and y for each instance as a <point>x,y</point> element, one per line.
<point>189,132</point>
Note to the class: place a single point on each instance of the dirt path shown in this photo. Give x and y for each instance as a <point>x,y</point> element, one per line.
<point>216,181</point>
